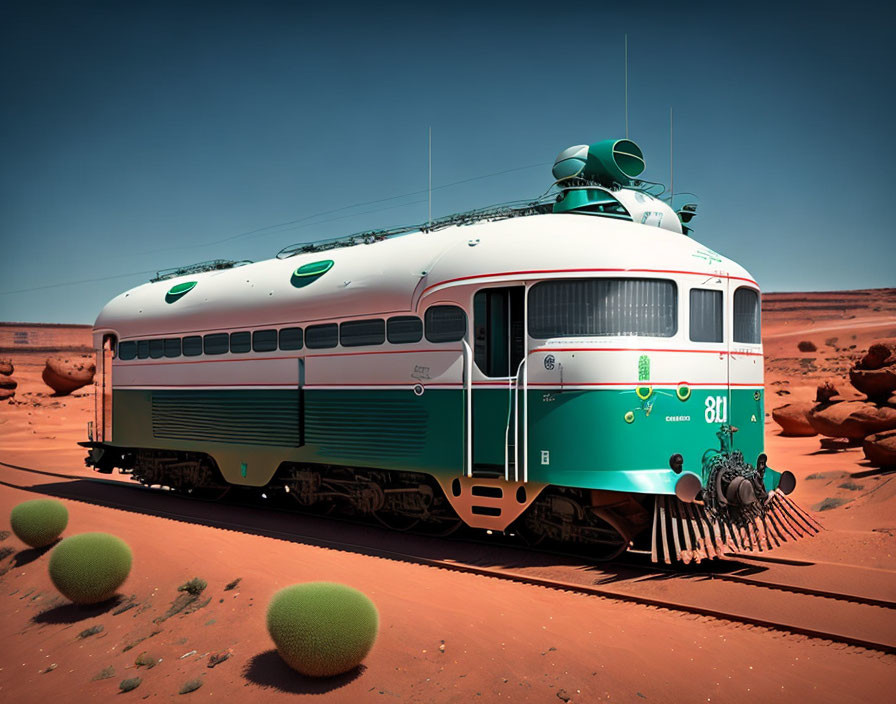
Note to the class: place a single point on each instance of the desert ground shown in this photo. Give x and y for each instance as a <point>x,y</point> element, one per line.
<point>445,636</point>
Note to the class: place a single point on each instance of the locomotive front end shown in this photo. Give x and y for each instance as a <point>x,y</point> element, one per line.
<point>645,373</point>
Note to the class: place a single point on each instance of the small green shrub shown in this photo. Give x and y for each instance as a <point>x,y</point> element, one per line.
<point>129,684</point>
<point>39,522</point>
<point>89,568</point>
<point>322,629</point>
<point>146,660</point>
<point>105,673</point>
<point>194,587</point>
<point>190,686</point>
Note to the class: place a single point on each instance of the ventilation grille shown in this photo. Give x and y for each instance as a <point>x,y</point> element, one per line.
<point>269,417</point>
<point>365,428</point>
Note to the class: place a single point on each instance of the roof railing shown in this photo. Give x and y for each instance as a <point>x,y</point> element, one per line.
<point>495,212</point>
<point>199,267</point>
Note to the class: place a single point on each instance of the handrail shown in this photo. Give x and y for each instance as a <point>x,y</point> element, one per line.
<point>468,394</point>
<point>515,382</point>
<point>510,382</point>
<point>525,372</point>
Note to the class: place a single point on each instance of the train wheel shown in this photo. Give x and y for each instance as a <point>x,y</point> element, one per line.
<point>441,528</point>
<point>529,537</point>
<point>607,552</point>
<point>396,522</point>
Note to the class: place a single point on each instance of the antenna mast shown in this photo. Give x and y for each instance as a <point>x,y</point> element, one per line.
<point>626,86</point>
<point>671,164</point>
<point>429,219</point>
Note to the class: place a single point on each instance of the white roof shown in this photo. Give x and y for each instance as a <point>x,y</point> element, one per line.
<point>395,275</point>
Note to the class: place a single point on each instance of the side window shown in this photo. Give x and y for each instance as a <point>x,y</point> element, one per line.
<point>217,343</point>
<point>127,350</point>
<point>291,339</point>
<point>445,323</point>
<point>746,316</point>
<point>403,329</point>
<point>172,347</point>
<point>322,336</point>
<point>240,342</point>
<point>142,349</point>
<point>192,346</point>
<point>355,333</point>
<point>264,340</point>
<point>706,315</point>
<point>156,349</point>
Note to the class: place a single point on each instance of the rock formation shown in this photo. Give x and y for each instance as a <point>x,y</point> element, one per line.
<point>7,383</point>
<point>65,375</point>
<point>792,419</point>
<point>851,419</point>
<point>880,448</point>
<point>871,422</point>
<point>826,392</point>
<point>875,373</point>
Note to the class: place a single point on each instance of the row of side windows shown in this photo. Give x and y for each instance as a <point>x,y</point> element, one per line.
<point>441,324</point>
<point>567,308</point>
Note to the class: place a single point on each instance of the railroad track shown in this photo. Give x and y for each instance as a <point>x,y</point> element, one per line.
<point>829,615</point>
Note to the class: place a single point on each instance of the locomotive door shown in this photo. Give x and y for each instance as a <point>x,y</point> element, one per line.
<point>102,385</point>
<point>498,349</point>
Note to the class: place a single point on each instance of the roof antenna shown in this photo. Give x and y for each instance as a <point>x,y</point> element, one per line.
<point>671,165</point>
<point>429,219</point>
<point>626,86</point>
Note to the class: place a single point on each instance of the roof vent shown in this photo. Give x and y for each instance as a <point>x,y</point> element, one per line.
<point>612,162</point>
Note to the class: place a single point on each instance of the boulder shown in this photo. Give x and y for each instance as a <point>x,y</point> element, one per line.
<point>880,448</point>
<point>851,419</point>
<point>65,375</point>
<point>838,443</point>
<point>877,356</point>
<point>6,394</point>
<point>874,383</point>
<point>6,367</point>
<point>825,392</point>
<point>792,419</point>
<point>7,382</point>
<point>806,346</point>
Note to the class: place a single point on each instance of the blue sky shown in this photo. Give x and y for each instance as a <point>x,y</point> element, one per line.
<point>140,136</point>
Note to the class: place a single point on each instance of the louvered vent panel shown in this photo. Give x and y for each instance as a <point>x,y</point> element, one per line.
<point>264,417</point>
<point>354,426</point>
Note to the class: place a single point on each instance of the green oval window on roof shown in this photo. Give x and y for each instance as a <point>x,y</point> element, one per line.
<point>179,290</point>
<point>309,273</point>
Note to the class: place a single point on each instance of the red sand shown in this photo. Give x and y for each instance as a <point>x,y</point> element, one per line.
<point>502,641</point>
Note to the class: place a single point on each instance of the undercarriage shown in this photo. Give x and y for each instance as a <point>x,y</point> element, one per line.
<point>600,524</point>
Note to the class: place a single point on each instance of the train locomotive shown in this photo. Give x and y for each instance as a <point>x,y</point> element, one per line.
<point>575,369</point>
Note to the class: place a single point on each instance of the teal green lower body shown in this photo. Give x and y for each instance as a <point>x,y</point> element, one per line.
<point>594,439</point>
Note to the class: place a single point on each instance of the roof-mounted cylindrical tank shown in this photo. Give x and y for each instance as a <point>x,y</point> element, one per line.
<point>612,162</point>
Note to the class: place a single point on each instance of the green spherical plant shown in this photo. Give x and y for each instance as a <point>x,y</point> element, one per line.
<point>322,629</point>
<point>39,522</point>
<point>89,568</point>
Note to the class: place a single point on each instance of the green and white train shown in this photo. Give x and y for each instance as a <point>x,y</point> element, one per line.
<point>577,369</point>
